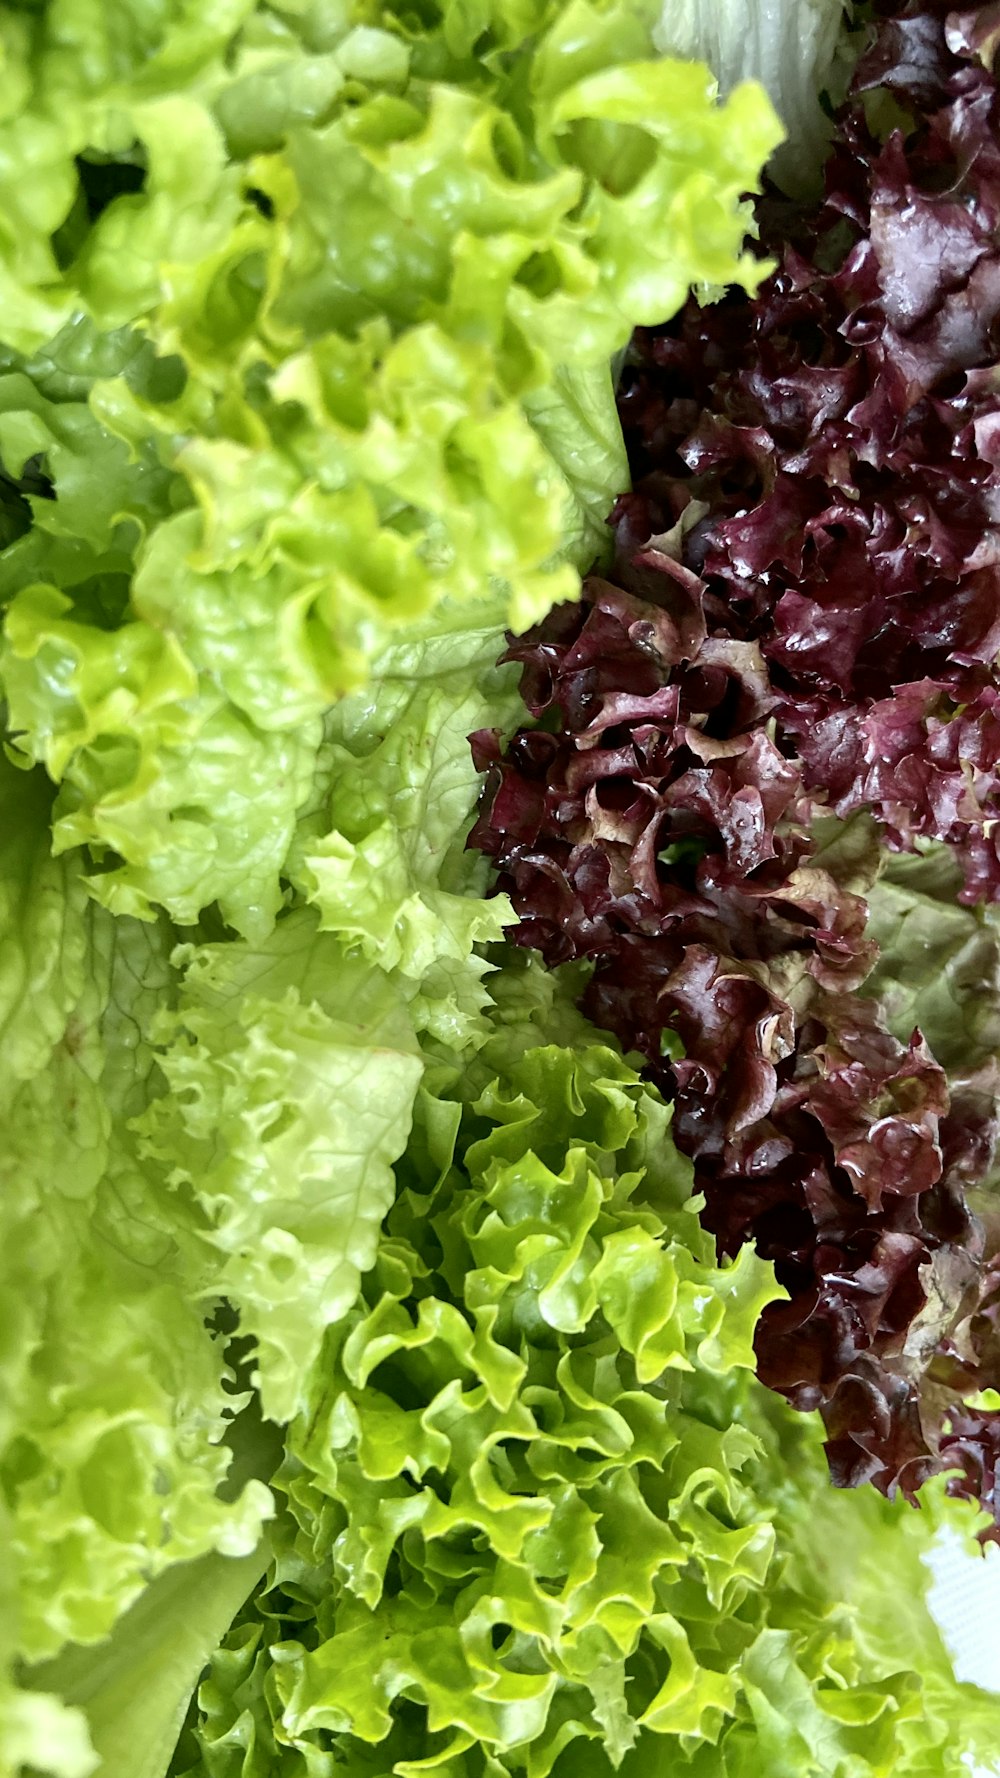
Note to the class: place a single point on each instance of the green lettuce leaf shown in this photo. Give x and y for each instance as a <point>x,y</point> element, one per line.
<point>129,1695</point>
<point>845,1546</point>
<point>577,421</point>
<point>130,1692</point>
<point>539,1515</point>
<point>291,1072</point>
<point>939,962</point>
<point>221,1119</point>
<point>311,342</point>
<point>39,1733</point>
<point>117,1394</point>
<point>380,850</point>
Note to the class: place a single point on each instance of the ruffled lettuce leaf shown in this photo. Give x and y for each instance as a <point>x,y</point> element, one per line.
<point>309,339</point>
<point>290,1073</point>
<point>42,1734</point>
<point>538,1514</point>
<point>380,851</point>
<point>844,1546</point>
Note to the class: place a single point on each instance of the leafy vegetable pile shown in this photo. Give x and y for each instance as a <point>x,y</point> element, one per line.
<point>537,1491</point>
<point>371,1398</point>
<point>795,668</point>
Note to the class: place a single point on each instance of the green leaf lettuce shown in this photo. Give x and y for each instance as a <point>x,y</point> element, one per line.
<point>300,286</point>
<point>539,1517</point>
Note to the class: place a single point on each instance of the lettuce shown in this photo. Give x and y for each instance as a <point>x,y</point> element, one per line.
<point>796,62</point>
<point>315,278</point>
<point>537,1514</point>
<point>307,313</point>
<point>372,1399</point>
<point>118,1394</point>
<point>939,962</point>
<point>762,801</point>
